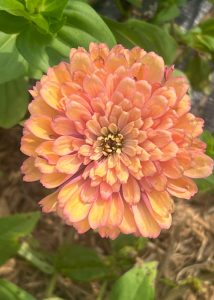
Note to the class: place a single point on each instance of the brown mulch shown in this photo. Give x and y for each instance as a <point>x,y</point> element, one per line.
<point>185,253</point>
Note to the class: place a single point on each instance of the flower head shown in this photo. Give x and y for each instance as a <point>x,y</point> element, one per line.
<point>111,131</point>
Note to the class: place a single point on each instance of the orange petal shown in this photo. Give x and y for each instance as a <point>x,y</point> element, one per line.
<point>113,62</point>
<point>126,87</point>
<point>111,177</point>
<point>182,187</point>
<point>93,85</point>
<point>89,193</point>
<point>76,111</point>
<point>164,221</point>
<point>180,85</point>
<point>59,73</point>
<point>41,127</point>
<point>146,224</point>
<point>53,180</point>
<point>45,150</point>
<point>31,173</point>
<point>68,190</point>
<point>101,168</point>
<point>109,232</point>
<point>190,124</point>
<point>80,61</point>
<point>148,168</point>
<point>98,53</point>
<point>66,144</point>
<point>201,166</point>
<point>43,165</point>
<point>183,106</point>
<point>154,70</point>
<point>39,107</point>
<point>128,224</point>
<point>75,210</point>
<point>48,203</point>
<point>81,226</point>
<point>160,137</point>
<point>122,172</point>
<point>171,168</point>
<point>68,164</point>
<point>131,191</point>
<point>63,126</point>
<point>160,202</point>
<point>51,93</point>
<point>105,190</point>
<point>29,143</point>
<point>158,181</point>
<point>169,151</point>
<point>155,107</point>
<point>116,210</point>
<point>99,213</point>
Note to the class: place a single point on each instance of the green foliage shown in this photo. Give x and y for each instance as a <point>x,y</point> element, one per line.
<point>14,7</point>
<point>12,64</point>
<point>198,70</point>
<point>137,3</point>
<point>167,10</point>
<point>36,258</point>
<point>208,138</point>
<point>31,44</point>
<point>128,241</point>
<point>207,184</point>
<point>136,283</point>
<point>201,37</point>
<point>81,16</point>
<point>148,36</point>
<point>10,23</point>
<point>13,102</point>
<point>10,291</point>
<point>80,263</point>
<point>13,228</point>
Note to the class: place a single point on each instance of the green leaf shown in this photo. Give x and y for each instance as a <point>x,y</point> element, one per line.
<point>10,23</point>
<point>12,64</point>
<point>136,284</point>
<point>207,27</point>
<point>208,138</point>
<point>166,14</point>
<point>201,37</point>
<point>137,3</point>
<point>13,102</point>
<point>206,184</point>
<point>13,228</point>
<point>69,37</point>
<point>10,291</point>
<point>148,36</point>
<point>41,23</point>
<point>125,240</point>
<point>47,7</point>
<point>80,263</point>
<point>84,18</point>
<point>31,45</point>
<point>14,7</point>
<point>36,258</point>
<point>198,70</point>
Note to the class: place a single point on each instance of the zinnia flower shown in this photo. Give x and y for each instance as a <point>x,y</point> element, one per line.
<point>111,132</point>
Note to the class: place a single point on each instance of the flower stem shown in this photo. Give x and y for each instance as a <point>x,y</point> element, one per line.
<point>51,286</point>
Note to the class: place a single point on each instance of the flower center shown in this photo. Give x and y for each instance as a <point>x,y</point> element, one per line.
<point>111,143</point>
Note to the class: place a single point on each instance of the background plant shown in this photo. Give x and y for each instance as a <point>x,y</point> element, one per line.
<point>37,34</point>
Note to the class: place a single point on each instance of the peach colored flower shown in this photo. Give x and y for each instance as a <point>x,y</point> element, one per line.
<point>111,132</point>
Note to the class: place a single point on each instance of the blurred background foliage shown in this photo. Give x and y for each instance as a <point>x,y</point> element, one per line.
<point>37,34</point>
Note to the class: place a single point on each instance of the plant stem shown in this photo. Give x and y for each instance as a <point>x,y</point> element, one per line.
<point>51,286</point>
<point>102,291</point>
